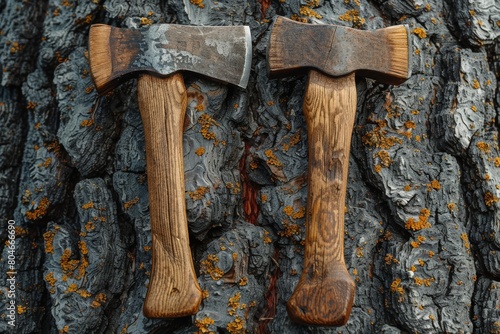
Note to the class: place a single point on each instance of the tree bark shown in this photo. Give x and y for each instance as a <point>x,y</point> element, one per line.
<point>422,238</point>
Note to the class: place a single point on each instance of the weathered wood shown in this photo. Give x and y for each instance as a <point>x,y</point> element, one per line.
<point>173,289</point>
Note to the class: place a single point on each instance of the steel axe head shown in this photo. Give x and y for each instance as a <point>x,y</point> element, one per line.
<point>382,54</point>
<point>221,53</point>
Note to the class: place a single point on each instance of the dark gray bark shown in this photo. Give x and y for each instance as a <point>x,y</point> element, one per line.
<point>422,233</point>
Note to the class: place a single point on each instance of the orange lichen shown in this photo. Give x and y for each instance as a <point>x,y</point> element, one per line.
<point>243,281</point>
<point>21,309</point>
<point>421,33</point>
<point>490,199</point>
<point>83,293</point>
<point>89,205</point>
<point>293,141</point>
<point>46,163</point>
<point>385,159</point>
<point>272,159</point>
<point>288,210</point>
<point>378,138</point>
<point>87,122</point>
<point>198,3</point>
<point>423,281</point>
<point>396,286</point>
<point>353,16</point>
<point>237,326</point>
<point>465,239</point>
<point>421,223</point>
<point>99,299</point>
<point>127,205</point>
<point>72,287</point>
<point>309,12</point>
<point>200,151</point>
<point>289,230</point>
<point>390,259</point>
<point>198,193</point>
<point>40,211</point>
<point>146,21</point>
<point>49,239</point>
<point>476,84</point>
<point>50,279</point>
<point>407,187</point>
<point>410,125</point>
<point>266,238</point>
<point>209,266</point>
<point>206,122</point>
<point>203,325</point>
<point>433,185</point>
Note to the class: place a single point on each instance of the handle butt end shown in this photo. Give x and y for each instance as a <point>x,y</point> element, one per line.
<point>326,302</point>
<point>161,303</point>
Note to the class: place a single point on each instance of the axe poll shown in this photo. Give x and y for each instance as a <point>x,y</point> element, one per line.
<point>332,55</point>
<point>157,54</point>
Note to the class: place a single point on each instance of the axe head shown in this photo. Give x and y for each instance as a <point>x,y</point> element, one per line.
<point>382,54</point>
<point>221,53</point>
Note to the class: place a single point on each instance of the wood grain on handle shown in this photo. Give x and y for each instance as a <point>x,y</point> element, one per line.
<point>173,289</point>
<point>325,292</point>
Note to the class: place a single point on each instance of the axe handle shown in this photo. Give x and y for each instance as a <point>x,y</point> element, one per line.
<point>325,292</point>
<point>173,289</point>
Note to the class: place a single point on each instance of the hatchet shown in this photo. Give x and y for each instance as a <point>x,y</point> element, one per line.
<point>332,55</point>
<point>157,54</point>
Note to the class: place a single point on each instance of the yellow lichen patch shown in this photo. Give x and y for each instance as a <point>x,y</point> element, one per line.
<point>423,281</point>
<point>233,303</point>
<point>473,108</point>
<point>200,151</point>
<point>293,141</point>
<point>289,230</point>
<point>198,3</point>
<point>266,238</point>
<point>72,287</point>
<point>421,33</point>
<point>490,199</point>
<point>396,287</point>
<point>206,123</point>
<point>243,281</point>
<point>390,259</point>
<point>40,211</point>
<point>272,159</point>
<point>410,125</point>
<point>21,309</point>
<point>434,185</point>
<point>83,293</point>
<point>65,329</point>
<point>421,262</point>
<point>209,266</point>
<point>465,239</point>
<point>420,223</point>
<point>205,294</point>
<point>353,16</point>
<point>99,299</point>
<point>377,168</point>
<point>203,325</point>
<point>49,239</point>
<point>484,147</point>
<point>378,138</point>
<point>497,162</point>
<point>309,12</point>
<point>407,187</point>
<point>198,193</point>
<point>146,21</point>
<point>46,163</point>
<point>127,205</point>
<point>89,205</point>
<point>89,226</point>
<point>50,279</point>
<point>87,123</point>
<point>68,265</point>
<point>385,159</point>
<point>431,254</point>
<point>476,84</point>
<point>288,210</point>
<point>237,326</point>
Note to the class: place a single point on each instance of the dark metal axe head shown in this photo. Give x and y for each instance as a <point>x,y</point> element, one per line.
<point>382,54</point>
<point>221,53</point>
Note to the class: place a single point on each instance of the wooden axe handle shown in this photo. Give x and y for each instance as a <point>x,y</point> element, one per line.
<point>173,289</point>
<point>325,292</point>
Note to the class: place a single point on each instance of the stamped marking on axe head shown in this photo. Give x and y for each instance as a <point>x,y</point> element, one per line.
<point>157,54</point>
<point>332,55</point>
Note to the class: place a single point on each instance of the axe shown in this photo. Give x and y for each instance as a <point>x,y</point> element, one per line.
<point>157,54</point>
<point>332,55</point>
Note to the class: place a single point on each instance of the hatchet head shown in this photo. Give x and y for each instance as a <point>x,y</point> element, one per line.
<point>381,54</point>
<point>221,53</point>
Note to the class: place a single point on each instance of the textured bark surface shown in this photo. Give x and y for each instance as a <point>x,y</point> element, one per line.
<point>422,232</point>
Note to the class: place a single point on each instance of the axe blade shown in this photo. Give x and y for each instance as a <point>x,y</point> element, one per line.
<point>221,53</point>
